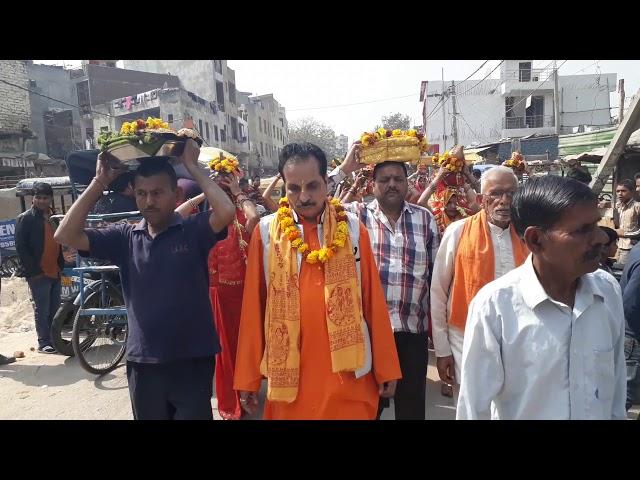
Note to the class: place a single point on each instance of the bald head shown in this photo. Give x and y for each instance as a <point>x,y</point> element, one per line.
<point>497,174</point>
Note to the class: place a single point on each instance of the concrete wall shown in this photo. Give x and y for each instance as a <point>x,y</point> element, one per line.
<point>243,129</point>
<point>197,76</point>
<point>523,132</point>
<point>15,110</point>
<point>55,82</point>
<point>200,77</point>
<point>257,112</point>
<point>231,109</point>
<point>106,83</point>
<point>175,101</point>
<point>267,138</point>
<point>10,206</point>
<point>252,126</point>
<point>585,100</point>
<point>180,104</point>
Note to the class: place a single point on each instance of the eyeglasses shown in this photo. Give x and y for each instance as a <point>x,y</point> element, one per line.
<point>498,195</point>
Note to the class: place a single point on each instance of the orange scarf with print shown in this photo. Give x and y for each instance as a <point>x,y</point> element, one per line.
<point>475,264</point>
<point>438,203</point>
<point>281,358</point>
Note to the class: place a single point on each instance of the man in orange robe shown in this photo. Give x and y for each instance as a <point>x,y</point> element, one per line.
<point>319,363</point>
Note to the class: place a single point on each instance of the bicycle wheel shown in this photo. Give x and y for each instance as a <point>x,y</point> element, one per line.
<point>62,328</point>
<point>99,341</point>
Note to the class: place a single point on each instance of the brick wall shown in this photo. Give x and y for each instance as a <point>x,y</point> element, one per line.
<point>15,110</point>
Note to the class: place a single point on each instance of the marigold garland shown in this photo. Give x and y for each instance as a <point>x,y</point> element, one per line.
<point>228,164</point>
<point>288,227</point>
<point>131,128</point>
<point>450,162</point>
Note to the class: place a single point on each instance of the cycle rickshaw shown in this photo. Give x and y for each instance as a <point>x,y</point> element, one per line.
<point>99,330</point>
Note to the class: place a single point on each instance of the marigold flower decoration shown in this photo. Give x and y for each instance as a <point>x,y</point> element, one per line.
<point>450,163</point>
<point>288,227</point>
<point>368,139</point>
<point>132,128</point>
<point>516,162</point>
<point>227,164</point>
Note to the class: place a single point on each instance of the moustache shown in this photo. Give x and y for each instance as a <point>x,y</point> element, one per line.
<point>305,205</point>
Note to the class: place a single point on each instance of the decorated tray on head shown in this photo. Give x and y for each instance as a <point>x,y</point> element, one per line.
<point>454,162</point>
<point>225,164</point>
<point>391,146</point>
<point>142,139</point>
<point>517,163</point>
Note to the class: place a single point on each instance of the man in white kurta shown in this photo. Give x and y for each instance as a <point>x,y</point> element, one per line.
<point>546,340</point>
<point>447,339</point>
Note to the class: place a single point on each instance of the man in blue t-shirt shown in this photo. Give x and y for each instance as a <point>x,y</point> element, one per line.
<point>163,265</point>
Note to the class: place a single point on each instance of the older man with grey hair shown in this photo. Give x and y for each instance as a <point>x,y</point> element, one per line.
<point>473,252</point>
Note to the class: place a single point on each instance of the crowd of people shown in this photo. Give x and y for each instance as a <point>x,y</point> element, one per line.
<point>334,294</point>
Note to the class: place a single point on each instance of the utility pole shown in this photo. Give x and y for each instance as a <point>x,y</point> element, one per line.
<point>454,126</point>
<point>444,122</point>
<point>621,91</point>
<point>556,99</point>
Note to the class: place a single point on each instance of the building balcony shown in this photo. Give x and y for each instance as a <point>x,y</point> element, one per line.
<point>528,121</point>
<point>528,125</point>
<point>526,80</point>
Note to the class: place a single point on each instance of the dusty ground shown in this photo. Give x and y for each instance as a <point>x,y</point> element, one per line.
<point>55,387</point>
<point>43,386</point>
<point>52,387</point>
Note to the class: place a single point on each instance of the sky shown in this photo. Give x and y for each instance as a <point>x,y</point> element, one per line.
<point>321,88</point>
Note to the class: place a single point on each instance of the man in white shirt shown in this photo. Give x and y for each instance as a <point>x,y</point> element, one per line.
<point>454,265</point>
<point>546,340</point>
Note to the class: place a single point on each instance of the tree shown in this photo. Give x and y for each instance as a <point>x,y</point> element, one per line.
<point>396,121</point>
<point>308,129</point>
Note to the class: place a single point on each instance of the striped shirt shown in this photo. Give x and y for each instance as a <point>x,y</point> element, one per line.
<point>404,257</point>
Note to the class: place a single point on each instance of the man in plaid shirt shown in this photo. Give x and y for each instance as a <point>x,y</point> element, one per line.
<point>404,240</point>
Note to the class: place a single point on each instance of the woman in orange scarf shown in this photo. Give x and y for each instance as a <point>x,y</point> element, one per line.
<point>227,266</point>
<point>445,208</point>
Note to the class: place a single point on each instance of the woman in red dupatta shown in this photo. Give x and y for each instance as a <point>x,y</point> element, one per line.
<point>227,265</point>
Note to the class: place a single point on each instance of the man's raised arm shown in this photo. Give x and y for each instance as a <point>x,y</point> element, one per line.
<point>71,229</point>
<point>222,209</point>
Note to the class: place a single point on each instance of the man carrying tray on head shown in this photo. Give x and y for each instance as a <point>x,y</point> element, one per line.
<point>172,341</point>
<point>404,240</point>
